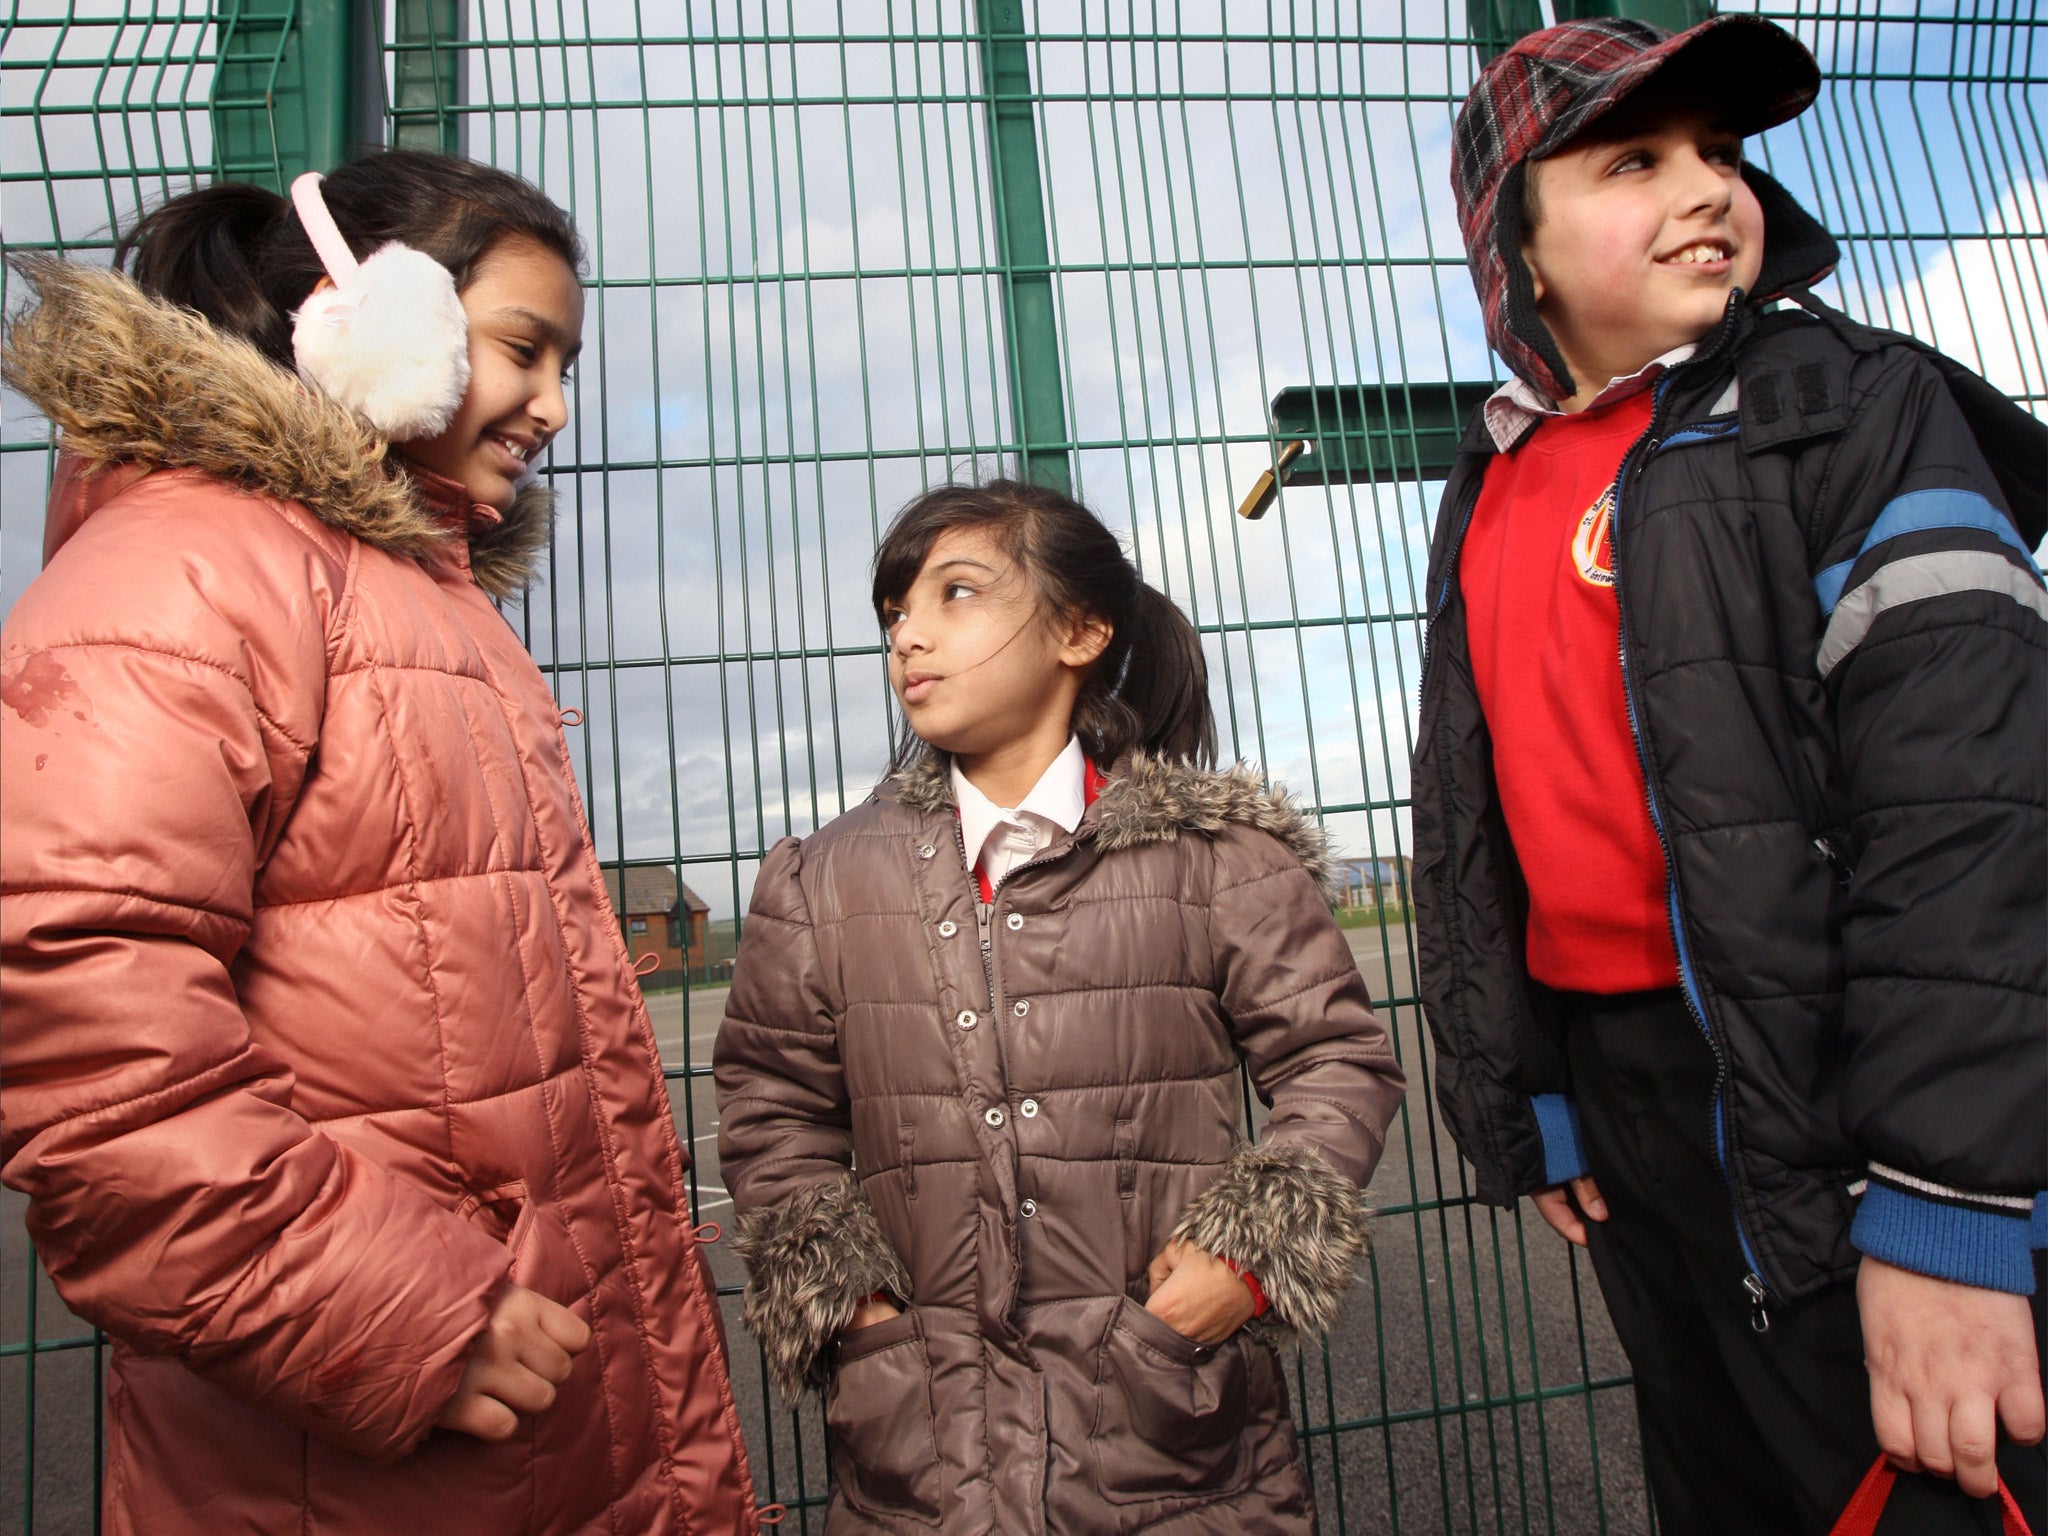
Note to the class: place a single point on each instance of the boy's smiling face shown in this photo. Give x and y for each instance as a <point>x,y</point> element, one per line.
<point>1643,228</point>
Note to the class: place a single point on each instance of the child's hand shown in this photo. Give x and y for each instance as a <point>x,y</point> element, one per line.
<point>515,1364</point>
<point>1568,1207</point>
<point>1196,1294</point>
<point>1946,1363</point>
<point>876,1309</point>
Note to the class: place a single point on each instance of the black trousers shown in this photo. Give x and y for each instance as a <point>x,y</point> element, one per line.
<point>1744,1433</point>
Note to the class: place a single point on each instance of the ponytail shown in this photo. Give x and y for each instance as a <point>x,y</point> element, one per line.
<point>238,255</point>
<point>1157,700</point>
<point>203,250</point>
<point>1149,690</point>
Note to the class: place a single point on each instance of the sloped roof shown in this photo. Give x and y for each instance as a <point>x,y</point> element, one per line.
<point>649,890</point>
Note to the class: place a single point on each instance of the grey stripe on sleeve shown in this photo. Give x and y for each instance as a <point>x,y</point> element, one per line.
<point>1916,578</point>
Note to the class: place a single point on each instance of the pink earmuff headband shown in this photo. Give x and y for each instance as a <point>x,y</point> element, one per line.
<point>390,339</point>
<point>328,245</point>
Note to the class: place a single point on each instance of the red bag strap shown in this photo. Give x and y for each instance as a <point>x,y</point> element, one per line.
<point>1860,1514</point>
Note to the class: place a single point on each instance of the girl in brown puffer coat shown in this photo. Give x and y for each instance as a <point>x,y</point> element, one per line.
<point>325,1072</point>
<point>978,1076</point>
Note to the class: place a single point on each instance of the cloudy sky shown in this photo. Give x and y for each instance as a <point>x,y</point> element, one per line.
<point>796,323</point>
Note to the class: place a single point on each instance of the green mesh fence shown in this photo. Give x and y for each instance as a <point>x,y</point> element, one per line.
<point>839,252</point>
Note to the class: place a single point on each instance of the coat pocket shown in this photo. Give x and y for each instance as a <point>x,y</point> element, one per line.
<point>878,1417</point>
<point>1170,1414</point>
<point>544,1257</point>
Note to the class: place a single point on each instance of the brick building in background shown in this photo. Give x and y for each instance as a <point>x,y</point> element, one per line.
<point>661,916</point>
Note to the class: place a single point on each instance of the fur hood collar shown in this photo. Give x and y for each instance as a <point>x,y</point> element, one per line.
<point>128,379</point>
<point>1154,800</point>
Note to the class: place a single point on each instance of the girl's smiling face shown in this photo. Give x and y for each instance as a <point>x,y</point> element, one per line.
<point>525,312</point>
<point>975,661</point>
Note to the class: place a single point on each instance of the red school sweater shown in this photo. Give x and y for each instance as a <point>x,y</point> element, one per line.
<point>1537,576</point>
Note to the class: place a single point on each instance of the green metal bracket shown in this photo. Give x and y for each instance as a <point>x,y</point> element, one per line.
<point>1672,15</point>
<point>282,92</point>
<point>426,61</point>
<point>1037,399</point>
<point>1338,434</point>
<point>1496,24</point>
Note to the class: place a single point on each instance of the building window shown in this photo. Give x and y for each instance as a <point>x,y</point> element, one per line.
<point>639,925</point>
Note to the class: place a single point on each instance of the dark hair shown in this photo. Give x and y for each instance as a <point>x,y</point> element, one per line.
<point>1150,688</point>
<point>238,254</point>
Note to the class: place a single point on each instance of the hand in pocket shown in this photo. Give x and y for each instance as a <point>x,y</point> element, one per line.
<point>876,1309</point>
<point>1196,1294</point>
<point>526,1350</point>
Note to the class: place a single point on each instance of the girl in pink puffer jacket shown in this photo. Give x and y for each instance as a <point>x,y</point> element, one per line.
<point>325,1075</point>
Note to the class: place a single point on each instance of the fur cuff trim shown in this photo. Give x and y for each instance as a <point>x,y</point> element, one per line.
<point>1286,1215</point>
<point>811,1261</point>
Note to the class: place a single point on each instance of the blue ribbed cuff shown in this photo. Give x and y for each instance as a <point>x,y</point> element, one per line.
<point>1950,1242</point>
<point>2037,1229</point>
<point>1564,1149</point>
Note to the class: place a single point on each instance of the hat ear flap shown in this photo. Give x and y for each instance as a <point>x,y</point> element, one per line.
<point>1531,348</point>
<point>390,339</point>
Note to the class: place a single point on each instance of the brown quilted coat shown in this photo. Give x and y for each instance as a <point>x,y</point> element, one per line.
<point>1008,1144</point>
<point>318,1026</point>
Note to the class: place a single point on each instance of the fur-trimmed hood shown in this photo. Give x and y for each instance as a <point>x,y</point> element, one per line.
<point>129,380</point>
<point>1155,800</point>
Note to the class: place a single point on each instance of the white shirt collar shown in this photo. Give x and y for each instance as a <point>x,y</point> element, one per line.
<point>1058,799</point>
<point>1513,408</point>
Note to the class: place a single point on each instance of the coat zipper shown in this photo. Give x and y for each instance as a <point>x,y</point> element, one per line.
<point>984,911</point>
<point>1754,1286</point>
<point>984,925</point>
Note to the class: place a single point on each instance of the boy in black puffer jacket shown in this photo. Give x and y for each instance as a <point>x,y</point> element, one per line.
<point>1730,791</point>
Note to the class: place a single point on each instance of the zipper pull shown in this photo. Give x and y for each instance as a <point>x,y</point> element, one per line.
<point>1759,1314</point>
<point>1835,861</point>
<point>983,913</point>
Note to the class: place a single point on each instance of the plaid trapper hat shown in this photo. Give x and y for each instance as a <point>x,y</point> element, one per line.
<point>1536,97</point>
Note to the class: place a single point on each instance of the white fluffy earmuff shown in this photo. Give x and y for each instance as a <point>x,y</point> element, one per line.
<point>390,339</point>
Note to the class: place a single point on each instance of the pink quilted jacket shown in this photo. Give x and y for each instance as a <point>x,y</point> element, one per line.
<point>318,1026</point>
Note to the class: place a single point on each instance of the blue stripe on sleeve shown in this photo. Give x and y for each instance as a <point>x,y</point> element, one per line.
<point>1919,512</point>
<point>1950,1242</point>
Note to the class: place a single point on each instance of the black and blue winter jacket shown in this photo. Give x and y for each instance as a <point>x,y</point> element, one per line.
<point>1835,655</point>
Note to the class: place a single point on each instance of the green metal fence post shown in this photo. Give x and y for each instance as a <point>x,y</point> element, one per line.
<point>1037,401</point>
<point>1672,15</point>
<point>1496,24</point>
<point>426,58</point>
<point>283,95</point>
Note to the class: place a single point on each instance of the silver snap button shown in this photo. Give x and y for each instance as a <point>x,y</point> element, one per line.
<point>1028,1109</point>
<point>1021,1007</point>
<point>994,1116</point>
<point>948,928</point>
<point>926,851</point>
<point>1014,921</point>
<point>967,1020</point>
<point>1028,1208</point>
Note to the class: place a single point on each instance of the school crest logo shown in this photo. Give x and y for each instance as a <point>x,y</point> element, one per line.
<point>1593,544</point>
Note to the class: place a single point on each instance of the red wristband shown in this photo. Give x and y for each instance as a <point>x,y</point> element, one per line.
<point>1261,1305</point>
